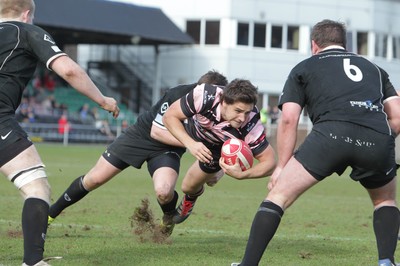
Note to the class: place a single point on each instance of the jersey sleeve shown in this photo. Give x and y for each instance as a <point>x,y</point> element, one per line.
<point>254,132</point>
<point>293,90</point>
<point>42,45</point>
<point>388,88</point>
<point>192,103</point>
<point>170,96</point>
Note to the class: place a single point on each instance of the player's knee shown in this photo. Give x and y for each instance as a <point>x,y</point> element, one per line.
<point>91,183</point>
<point>164,195</point>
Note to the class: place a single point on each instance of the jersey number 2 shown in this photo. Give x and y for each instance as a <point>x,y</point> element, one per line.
<point>352,71</point>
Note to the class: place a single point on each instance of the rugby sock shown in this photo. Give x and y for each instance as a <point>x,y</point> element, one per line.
<point>265,224</point>
<point>74,193</point>
<point>34,228</point>
<point>170,206</point>
<point>386,228</point>
<point>193,197</point>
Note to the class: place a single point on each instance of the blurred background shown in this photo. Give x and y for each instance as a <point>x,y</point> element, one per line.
<point>135,49</point>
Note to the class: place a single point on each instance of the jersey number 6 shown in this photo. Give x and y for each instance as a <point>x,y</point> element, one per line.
<point>352,71</point>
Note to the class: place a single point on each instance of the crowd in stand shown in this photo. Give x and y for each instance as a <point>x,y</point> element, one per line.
<point>39,105</point>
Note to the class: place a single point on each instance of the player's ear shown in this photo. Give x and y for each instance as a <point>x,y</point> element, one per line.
<point>314,47</point>
<point>27,16</point>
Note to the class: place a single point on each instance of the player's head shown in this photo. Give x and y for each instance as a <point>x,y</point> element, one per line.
<point>213,77</point>
<point>237,101</point>
<point>19,10</point>
<point>329,32</point>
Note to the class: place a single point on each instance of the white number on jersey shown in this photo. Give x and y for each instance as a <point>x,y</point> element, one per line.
<point>352,71</point>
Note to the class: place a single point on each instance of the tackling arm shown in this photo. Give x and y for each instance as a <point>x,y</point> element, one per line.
<point>164,136</point>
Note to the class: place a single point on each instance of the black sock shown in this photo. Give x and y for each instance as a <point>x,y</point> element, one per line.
<point>386,228</point>
<point>34,228</point>
<point>170,206</point>
<point>73,194</point>
<point>193,197</point>
<point>265,224</point>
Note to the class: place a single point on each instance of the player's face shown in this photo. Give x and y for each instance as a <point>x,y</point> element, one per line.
<point>236,113</point>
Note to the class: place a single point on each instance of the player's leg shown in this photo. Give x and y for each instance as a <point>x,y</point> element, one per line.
<point>386,221</point>
<point>193,187</point>
<point>27,173</point>
<point>164,180</point>
<point>292,182</point>
<point>102,172</point>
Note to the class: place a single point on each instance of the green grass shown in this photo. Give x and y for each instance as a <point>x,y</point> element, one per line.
<point>329,225</point>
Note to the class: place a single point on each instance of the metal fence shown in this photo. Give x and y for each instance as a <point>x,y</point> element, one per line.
<point>44,132</point>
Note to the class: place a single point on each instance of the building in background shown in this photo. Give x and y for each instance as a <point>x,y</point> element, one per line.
<point>260,40</point>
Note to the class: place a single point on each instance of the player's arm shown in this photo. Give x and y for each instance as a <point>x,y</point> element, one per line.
<point>71,72</point>
<point>392,109</point>
<point>172,120</point>
<point>287,132</point>
<point>164,136</point>
<point>286,138</point>
<point>265,166</point>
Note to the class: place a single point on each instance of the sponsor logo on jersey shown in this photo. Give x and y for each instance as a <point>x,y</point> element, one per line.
<point>48,39</point>
<point>164,107</point>
<point>366,104</point>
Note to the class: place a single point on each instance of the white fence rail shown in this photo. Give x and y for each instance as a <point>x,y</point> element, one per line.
<point>44,132</point>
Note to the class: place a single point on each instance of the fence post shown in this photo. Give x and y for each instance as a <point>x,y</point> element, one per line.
<point>66,133</point>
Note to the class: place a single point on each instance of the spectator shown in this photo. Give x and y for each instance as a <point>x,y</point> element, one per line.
<point>49,82</point>
<point>63,124</point>
<point>85,115</point>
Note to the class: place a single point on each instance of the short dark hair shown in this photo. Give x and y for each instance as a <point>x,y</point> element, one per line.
<point>328,32</point>
<point>213,77</point>
<point>240,90</point>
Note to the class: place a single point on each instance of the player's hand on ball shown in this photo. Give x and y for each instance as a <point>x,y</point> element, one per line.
<point>233,170</point>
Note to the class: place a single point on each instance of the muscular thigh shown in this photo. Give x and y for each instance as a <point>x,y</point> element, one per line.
<point>195,177</point>
<point>25,159</point>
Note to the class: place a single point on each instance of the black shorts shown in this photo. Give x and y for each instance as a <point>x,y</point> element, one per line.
<point>13,140</point>
<point>132,149</point>
<point>213,166</point>
<point>333,146</point>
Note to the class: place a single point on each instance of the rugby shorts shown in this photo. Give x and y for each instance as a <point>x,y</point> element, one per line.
<point>131,149</point>
<point>13,140</point>
<point>333,146</point>
<point>213,166</point>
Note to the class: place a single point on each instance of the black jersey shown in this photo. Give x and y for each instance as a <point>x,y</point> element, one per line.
<point>336,85</point>
<point>156,112</point>
<point>22,46</point>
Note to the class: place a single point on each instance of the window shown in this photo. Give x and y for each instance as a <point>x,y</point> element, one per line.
<point>276,37</point>
<point>259,35</point>
<point>193,30</point>
<point>293,38</point>
<point>243,34</point>
<point>362,43</point>
<point>396,47</point>
<point>381,45</point>
<point>212,32</point>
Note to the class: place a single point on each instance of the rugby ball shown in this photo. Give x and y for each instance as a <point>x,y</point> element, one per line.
<point>237,148</point>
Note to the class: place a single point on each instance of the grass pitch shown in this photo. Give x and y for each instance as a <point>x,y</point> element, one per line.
<point>330,225</point>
